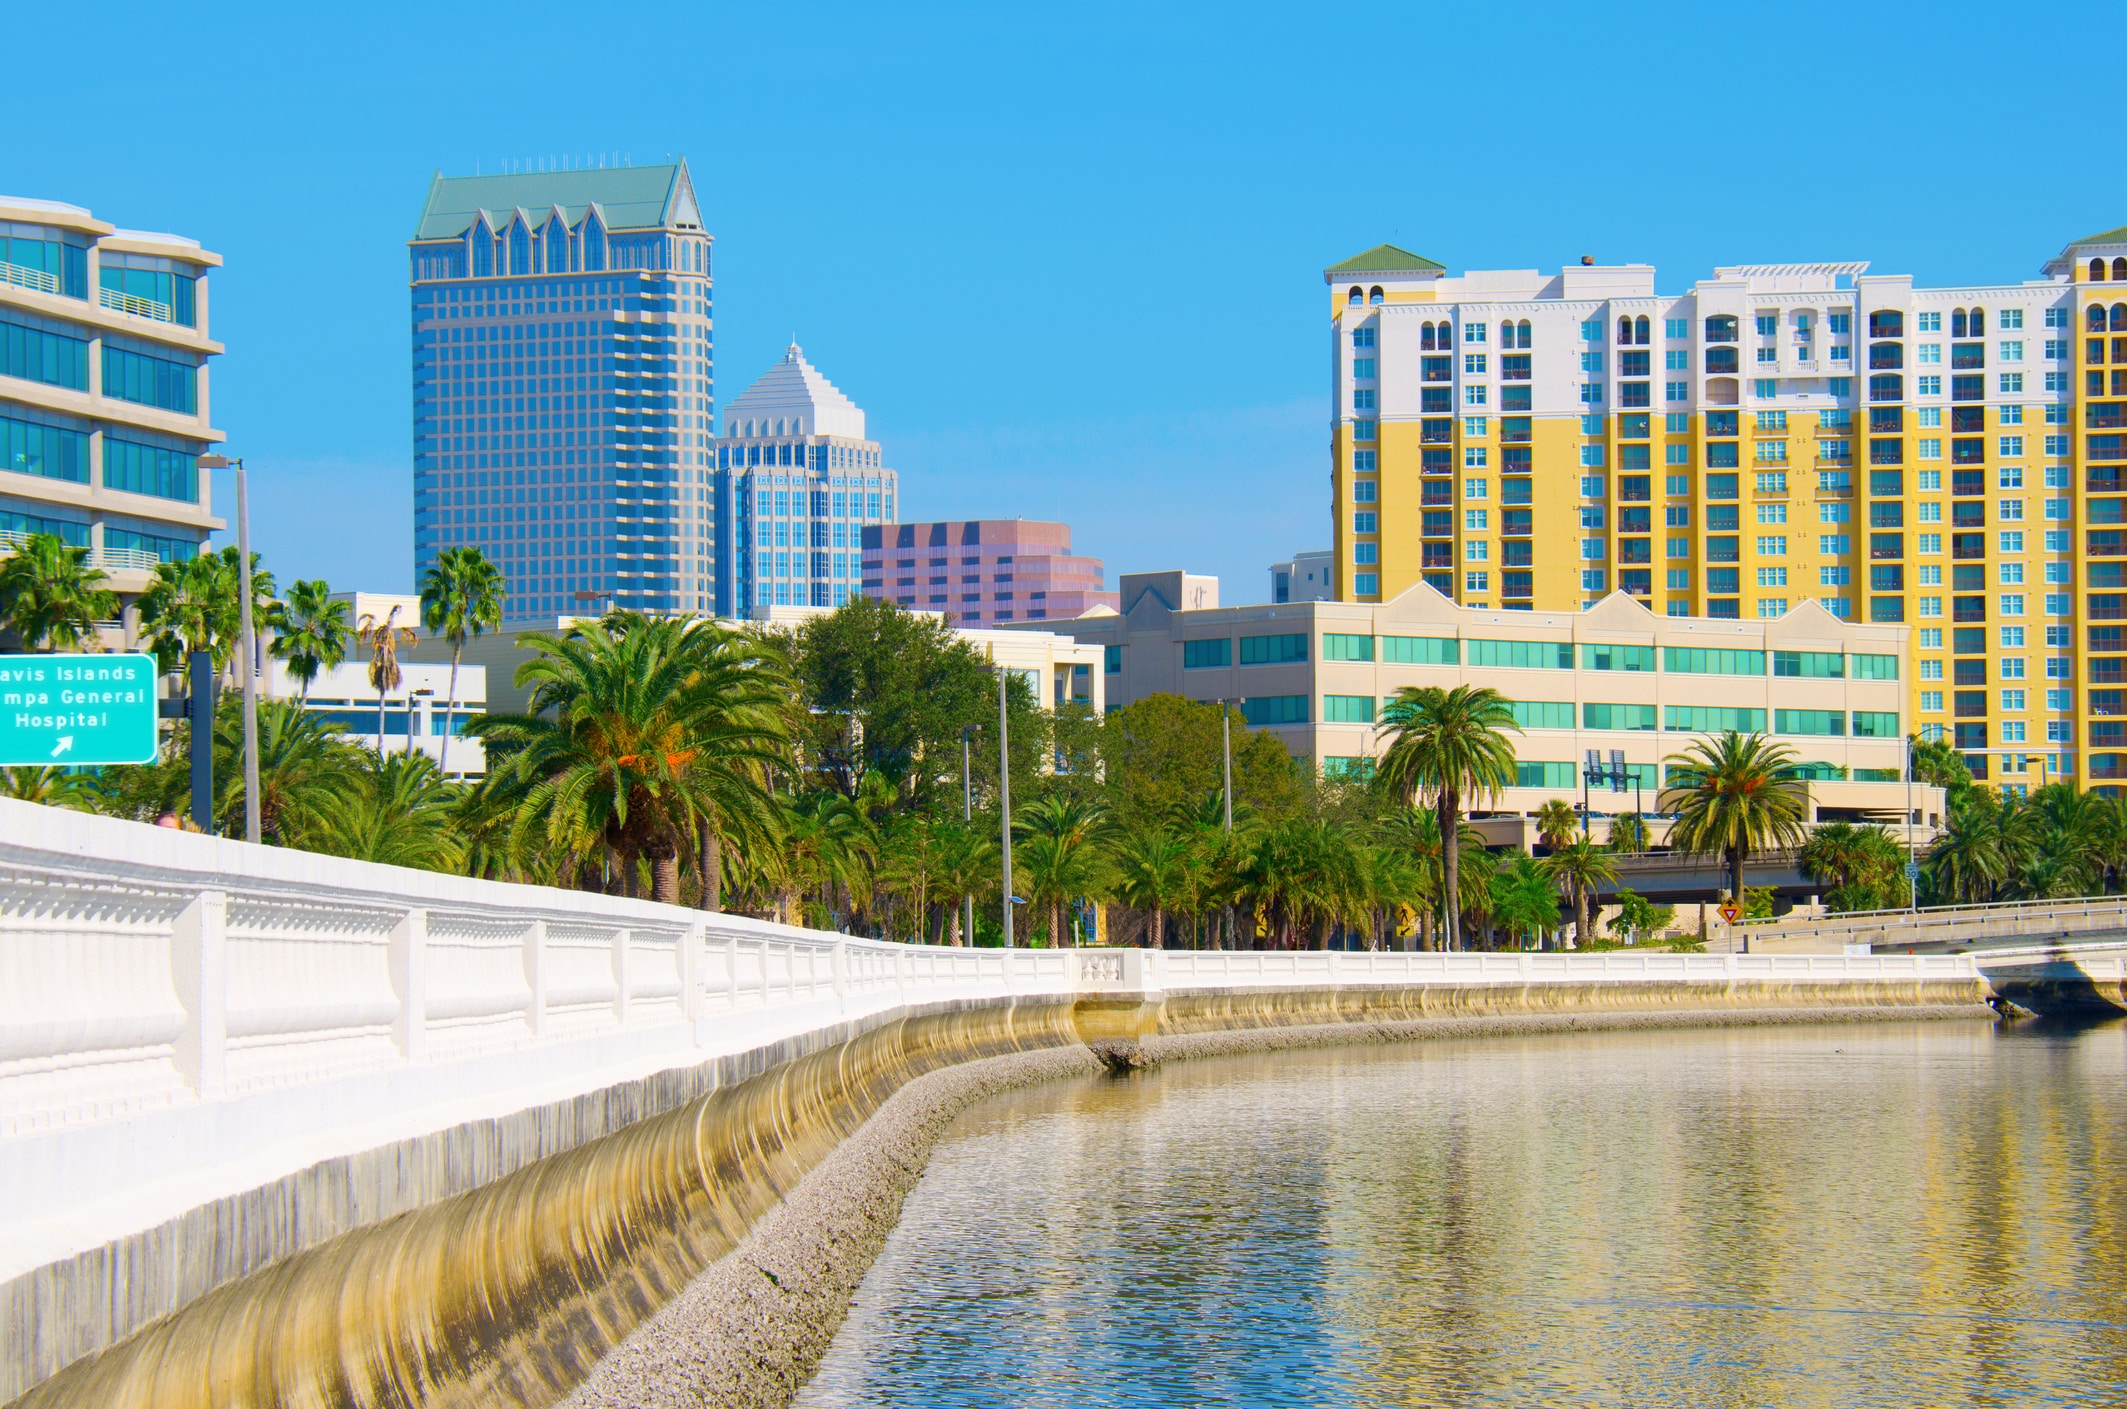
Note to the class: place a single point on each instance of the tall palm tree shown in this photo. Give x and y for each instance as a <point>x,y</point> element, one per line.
<point>1448,745</point>
<point>1150,870</point>
<point>382,639</point>
<point>1861,868</point>
<point>964,864</point>
<point>1414,832</point>
<point>461,596</point>
<point>181,612</point>
<point>1056,868</point>
<point>51,598</point>
<point>1556,822</point>
<point>643,733</point>
<point>1585,868</point>
<point>54,787</point>
<point>227,568</point>
<point>1732,795</point>
<point>311,632</point>
<point>1628,833</point>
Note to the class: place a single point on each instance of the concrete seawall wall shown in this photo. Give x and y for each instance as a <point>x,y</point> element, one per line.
<point>494,1262</point>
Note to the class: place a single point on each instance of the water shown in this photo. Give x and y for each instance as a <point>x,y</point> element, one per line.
<point>1894,1214</point>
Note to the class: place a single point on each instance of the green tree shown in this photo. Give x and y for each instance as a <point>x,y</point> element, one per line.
<point>1448,744</point>
<point>461,596</point>
<point>1524,901</point>
<point>405,814</point>
<point>1151,870</point>
<point>1414,833</point>
<point>1936,761</point>
<point>1556,822</point>
<point>309,778</point>
<point>642,733</point>
<point>54,787</point>
<point>1628,834</point>
<point>1639,918</point>
<point>1584,868</point>
<point>1164,752</point>
<point>1732,795</point>
<point>51,598</point>
<point>311,632</point>
<point>1861,868</point>
<point>1056,869</point>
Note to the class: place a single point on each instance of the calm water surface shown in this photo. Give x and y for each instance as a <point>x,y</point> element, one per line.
<point>1909,1214</point>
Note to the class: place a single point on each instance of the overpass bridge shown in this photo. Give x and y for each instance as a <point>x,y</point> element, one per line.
<point>283,1128</point>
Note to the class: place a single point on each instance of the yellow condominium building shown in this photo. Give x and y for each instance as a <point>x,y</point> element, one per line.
<point>1946,459</point>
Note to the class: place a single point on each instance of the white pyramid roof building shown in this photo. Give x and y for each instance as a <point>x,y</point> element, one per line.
<point>794,393</point>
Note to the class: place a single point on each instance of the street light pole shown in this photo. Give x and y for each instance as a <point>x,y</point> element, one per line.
<point>967,814</point>
<point>1004,799</point>
<point>1912,862</point>
<point>248,645</point>
<point>1226,756</point>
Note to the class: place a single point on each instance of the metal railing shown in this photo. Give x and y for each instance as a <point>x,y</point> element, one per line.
<point>23,277</point>
<point>120,302</point>
<point>122,559</point>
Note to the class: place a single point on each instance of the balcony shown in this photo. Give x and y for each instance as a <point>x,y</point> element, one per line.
<point>23,277</point>
<point>134,306</point>
<point>1723,361</point>
<point>2102,481</point>
<point>2108,670</point>
<point>1969,609</point>
<point>2105,416</point>
<point>1886,547</point>
<point>1967,357</point>
<point>2105,543</point>
<point>1887,357</point>
<point>1968,515</point>
<point>109,559</point>
<point>1968,545</point>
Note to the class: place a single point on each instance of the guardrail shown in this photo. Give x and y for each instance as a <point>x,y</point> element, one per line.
<point>1955,924</point>
<point>1175,970</point>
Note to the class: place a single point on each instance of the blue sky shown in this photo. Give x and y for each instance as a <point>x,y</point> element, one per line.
<point>1068,259</point>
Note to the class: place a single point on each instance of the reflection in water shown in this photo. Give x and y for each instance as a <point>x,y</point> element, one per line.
<point>1924,1214</point>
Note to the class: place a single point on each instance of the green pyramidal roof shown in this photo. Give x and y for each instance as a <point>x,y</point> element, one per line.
<point>2107,237</point>
<point>628,198</point>
<point>1386,259</point>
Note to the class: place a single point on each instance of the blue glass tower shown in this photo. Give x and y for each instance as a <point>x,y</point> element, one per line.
<point>563,397</point>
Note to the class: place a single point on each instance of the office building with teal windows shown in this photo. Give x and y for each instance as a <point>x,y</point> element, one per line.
<point>103,391</point>
<point>563,400</point>
<point>805,482</point>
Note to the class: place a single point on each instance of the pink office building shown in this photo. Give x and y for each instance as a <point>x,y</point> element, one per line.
<point>983,571</point>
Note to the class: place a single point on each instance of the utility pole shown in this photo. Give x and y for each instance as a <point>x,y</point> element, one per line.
<point>1912,862</point>
<point>248,647</point>
<point>1004,799</point>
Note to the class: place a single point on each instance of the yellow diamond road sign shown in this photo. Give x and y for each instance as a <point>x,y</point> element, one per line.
<point>69,709</point>
<point>1730,913</point>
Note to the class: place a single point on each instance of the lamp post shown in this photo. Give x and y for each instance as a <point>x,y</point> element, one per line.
<point>247,648</point>
<point>1912,861</point>
<point>1004,798</point>
<point>967,813</point>
<point>1226,759</point>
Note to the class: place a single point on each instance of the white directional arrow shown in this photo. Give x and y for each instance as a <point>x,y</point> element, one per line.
<point>66,741</point>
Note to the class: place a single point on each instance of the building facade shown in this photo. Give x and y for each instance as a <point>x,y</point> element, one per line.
<point>1305,577</point>
<point>805,486</point>
<point>563,391</point>
<point>994,570</point>
<point>414,711</point>
<point>1612,677</point>
<point>104,407</point>
<point>1945,459</point>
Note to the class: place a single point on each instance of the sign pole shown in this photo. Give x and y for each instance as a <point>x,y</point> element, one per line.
<point>250,663</point>
<point>201,698</point>
<point>1004,799</point>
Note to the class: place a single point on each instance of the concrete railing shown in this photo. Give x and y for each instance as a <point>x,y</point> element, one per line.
<point>1248,969</point>
<point>1954,924</point>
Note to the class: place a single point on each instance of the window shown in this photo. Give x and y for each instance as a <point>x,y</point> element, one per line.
<point>1702,660</point>
<point>1337,646</point>
<point>1713,719</point>
<point>1473,332</point>
<point>1203,655</point>
<point>1347,709</point>
<point>1474,489</point>
<point>1112,659</point>
<point>1365,522</point>
<point>2012,383</point>
<point>1273,650</point>
<point>1362,337</point>
<point>53,452</point>
<point>1542,714</point>
<point>1772,545</point>
<point>1826,723</point>
<point>134,468</point>
<point>1608,657</point>
<point>1592,550</point>
<point>1931,701</point>
<point>1522,655</point>
<point>35,350</point>
<point>1363,491</point>
<point>1421,650</point>
<point>1362,367</point>
<point>1837,576</point>
<point>1638,717</point>
<point>149,381</point>
<point>1875,724</point>
<point>1475,520</point>
<point>1771,513</point>
<point>1476,582</point>
<point>1473,396</point>
<point>1592,580</point>
<point>1263,710</point>
<point>1473,457</point>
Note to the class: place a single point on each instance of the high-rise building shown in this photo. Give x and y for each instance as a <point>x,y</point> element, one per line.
<point>563,416</point>
<point>804,482</point>
<point>103,388</point>
<point>1946,458</point>
<point>983,570</point>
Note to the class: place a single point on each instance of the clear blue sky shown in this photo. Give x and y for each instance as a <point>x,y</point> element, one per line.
<point>1068,260</point>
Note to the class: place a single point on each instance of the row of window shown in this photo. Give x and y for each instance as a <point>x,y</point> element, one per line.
<point>34,351</point>
<point>55,452</point>
<point>1217,652</point>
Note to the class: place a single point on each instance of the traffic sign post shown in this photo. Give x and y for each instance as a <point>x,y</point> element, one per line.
<point>1729,912</point>
<point>59,710</point>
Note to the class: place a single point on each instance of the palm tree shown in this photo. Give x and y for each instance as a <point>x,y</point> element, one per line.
<point>1862,868</point>
<point>964,864</point>
<point>308,776</point>
<point>382,640</point>
<point>51,598</point>
<point>1150,868</point>
<point>1974,857</point>
<point>227,569</point>
<point>182,611</point>
<point>54,787</point>
<point>1056,868</point>
<point>1556,822</point>
<point>1585,868</point>
<point>405,815</point>
<point>1414,832</point>
<point>1628,833</point>
<point>642,735</point>
<point>311,632</point>
<point>1732,795</point>
<point>1448,744</point>
<point>461,596</point>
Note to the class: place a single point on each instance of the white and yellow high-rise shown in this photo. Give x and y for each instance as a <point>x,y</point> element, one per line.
<point>1952,459</point>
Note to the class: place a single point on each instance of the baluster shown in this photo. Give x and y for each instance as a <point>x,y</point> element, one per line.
<point>199,953</point>
<point>409,980</point>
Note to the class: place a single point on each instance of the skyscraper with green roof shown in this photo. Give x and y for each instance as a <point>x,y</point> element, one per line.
<point>563,397</point>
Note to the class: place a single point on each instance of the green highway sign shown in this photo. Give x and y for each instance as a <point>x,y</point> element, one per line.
<point>71,709</point>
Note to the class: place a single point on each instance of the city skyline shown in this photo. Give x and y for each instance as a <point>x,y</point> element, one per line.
<point>1082,409</point>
